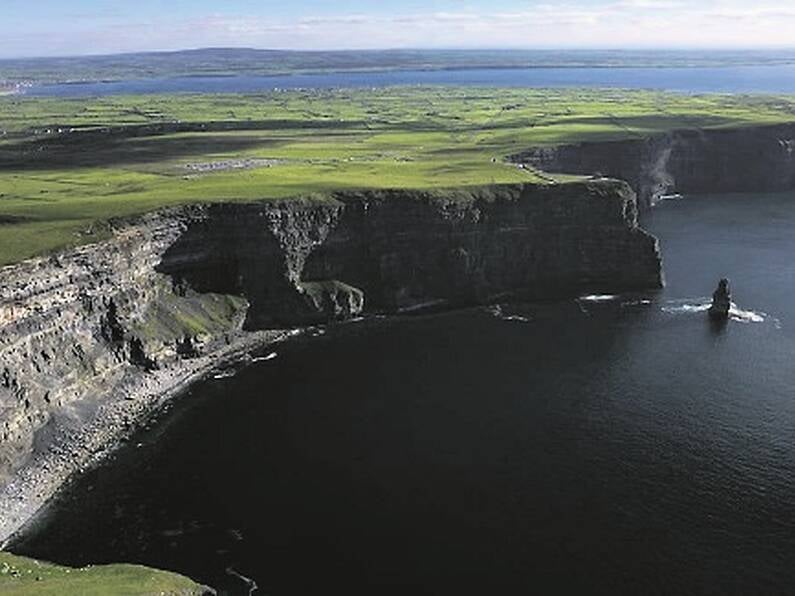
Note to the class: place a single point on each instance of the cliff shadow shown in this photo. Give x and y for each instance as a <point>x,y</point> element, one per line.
<point>95,152</point>
<point>233,252</point>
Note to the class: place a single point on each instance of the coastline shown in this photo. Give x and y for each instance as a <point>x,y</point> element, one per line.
<point>75,445</point>
<point>96,338</point>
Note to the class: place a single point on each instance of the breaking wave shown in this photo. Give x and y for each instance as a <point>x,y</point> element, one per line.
<point>598,298</point>
<point>226,374</point>
<point>701,305</point>
<point>747,316</point>
<point>271,356</point>
<point>676,307</point>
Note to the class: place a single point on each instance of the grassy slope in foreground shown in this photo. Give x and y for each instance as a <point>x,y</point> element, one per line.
<point>20,576</point>
<point>53,187</point>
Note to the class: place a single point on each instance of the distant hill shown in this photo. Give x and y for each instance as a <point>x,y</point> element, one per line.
<point>236,61</point>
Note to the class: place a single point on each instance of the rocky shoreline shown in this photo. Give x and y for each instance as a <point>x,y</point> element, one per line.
<point>75,444</point>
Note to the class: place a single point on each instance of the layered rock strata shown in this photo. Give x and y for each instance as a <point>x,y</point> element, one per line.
<point>93,338</point>
<point>752,159</point>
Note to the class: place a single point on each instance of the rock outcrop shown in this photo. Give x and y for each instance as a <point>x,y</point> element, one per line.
<point>152,307</point>
<point>721,302</point>
<point>752,159</point>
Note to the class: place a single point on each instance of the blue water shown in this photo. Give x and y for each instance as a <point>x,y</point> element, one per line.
<point>736,79</point>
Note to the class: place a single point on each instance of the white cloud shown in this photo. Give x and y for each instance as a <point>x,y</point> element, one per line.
<point>618,23</point>
<point>613,23</point>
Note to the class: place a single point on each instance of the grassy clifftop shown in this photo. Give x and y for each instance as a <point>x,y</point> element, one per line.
<point>20,577</point>
<point>66,165</point>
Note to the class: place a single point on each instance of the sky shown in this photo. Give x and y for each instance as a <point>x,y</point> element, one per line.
<point>78,27</point>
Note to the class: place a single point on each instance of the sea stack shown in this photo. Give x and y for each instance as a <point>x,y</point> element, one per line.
<point>721,302</point>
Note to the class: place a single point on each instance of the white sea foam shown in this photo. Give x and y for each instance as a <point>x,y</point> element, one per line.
<point>517,319</point>
<point>598,298</point>
<point>702,305</point>
<point>746,316</point>
<point>678,309</point>
<point>271,356</point>
<point>226,374</point>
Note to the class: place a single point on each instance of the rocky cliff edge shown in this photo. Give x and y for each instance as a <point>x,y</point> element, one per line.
<point>93,339</point>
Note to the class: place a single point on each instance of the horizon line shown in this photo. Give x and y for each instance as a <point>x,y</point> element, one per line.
<point>636,49</point>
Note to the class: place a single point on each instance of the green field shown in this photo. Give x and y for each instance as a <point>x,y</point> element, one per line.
<point>22,577</point>
<point>68,165</point>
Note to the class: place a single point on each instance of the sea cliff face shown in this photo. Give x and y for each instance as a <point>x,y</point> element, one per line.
<point>91,339</point>
<point>398,250</point>
<point>758,159</point>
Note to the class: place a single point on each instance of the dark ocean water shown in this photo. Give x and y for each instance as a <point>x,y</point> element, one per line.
<point>734,79</point>
<point>608,445</point>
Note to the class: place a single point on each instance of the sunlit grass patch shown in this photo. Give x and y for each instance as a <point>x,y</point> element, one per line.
<point>55,185</point>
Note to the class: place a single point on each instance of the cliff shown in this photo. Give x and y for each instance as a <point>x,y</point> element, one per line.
<point>92,339</point>
<point>404,249</point>
<point>752,159</point>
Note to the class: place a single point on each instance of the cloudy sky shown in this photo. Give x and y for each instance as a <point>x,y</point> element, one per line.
<point>58,27</point>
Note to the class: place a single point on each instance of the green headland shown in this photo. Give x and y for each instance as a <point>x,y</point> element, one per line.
<point>20,576</point>
<point>69,165</point>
